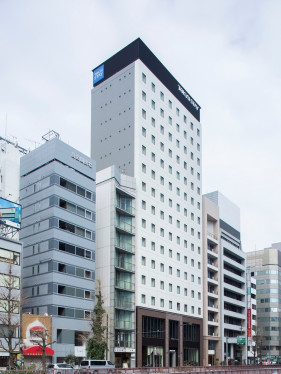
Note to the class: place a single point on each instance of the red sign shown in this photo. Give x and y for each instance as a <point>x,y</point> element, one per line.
<point>249,327</point>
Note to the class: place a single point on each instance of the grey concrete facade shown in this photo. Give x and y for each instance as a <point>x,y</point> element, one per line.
<point>232,280</point>
<point>265,267</point>
<point>57,193</point>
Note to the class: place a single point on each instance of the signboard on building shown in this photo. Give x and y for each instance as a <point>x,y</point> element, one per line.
<point>10,213</point>
<point>249,325</point>
<point>241,340</point>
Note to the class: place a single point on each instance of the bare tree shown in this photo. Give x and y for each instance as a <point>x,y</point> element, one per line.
<point>10,299</point>
<point>41,338</point>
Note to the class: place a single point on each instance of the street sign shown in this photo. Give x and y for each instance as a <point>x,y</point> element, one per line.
<point>241,340</point>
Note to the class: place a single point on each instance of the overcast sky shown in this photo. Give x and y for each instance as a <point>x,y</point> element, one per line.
<point>226,54</point>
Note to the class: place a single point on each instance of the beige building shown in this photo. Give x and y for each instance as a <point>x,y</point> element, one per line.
<point>211,288</point>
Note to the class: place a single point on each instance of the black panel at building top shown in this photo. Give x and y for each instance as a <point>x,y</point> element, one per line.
<point>138,50</point>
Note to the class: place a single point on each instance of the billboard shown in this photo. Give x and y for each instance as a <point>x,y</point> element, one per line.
<point>10,213</point>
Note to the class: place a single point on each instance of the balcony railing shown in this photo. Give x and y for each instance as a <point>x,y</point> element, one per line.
<point>121,263</point>
<point>128,208</point>
<point>211,235</point>
<point>123,325</point>
<point>129,247</point>
<point>123,304</point>
<point>125,226</point>
<point>125,285</point>
<point>123,343</point>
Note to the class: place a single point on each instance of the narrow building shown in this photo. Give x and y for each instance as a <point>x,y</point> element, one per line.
<point>57,193</point>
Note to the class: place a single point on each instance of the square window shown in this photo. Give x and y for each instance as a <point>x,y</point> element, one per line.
<point>143,242</point>
<point>178,306</point>
<point>161,129</point>
<point>143,205</point>
<point>170,287</point>
<point>170,104</point>
<point>191,125</point>
<point>162,163</point>
<point>161,249</point>
<point>143,186</point>
<point>162,303</point>
<point>177,111</point>
<point>170,253</point>
<point>184,119</point>
<point>170,120</point>
<point>143,150</point>
<point>152,156</point>
<point>161,112</point>
<point>170,203</point>
<point>143,279</point>
<point>152,209</point>
<point>143,166</point>
<point>170,304</point>
<point>152,264</point>
<point>152,282</point>
<point>178,273</point>
<point>152,227</point>
<point>153,192</point>
<point>152,122</point>
<point>152,174</point>
<point>170,270</point>
<point>152,87</point>
<point>153,246</point>
<point>143,95</point>
<point>152,300</point>
<point>162,146</point>
<point>161,214</point>
<point>152,104</point>
<point>161,285</point>
<point>162,232</point>
<point>161,198</point>
<point>143,223</point>
<point>143,299</point>
<point>152,139</point>
<point>143,261</point>
<point>178,290</point>
<point>162,267</point>
<point>162,180</point>
<point>161,96</point>
<point>143,113</point>
<point>143,78</point>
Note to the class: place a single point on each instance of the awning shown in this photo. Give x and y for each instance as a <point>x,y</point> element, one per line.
<point>36,350</point>
<point>37,328</point>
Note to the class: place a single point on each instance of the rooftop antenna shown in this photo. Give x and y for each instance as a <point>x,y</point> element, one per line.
<point>51,134</point>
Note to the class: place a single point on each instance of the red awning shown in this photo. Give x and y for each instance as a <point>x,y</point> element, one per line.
<point>36,350</point>
<point>37,328</point>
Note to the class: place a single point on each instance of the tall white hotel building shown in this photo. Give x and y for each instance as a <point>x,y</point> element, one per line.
<point>149,245</point>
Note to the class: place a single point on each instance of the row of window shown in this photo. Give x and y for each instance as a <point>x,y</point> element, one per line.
<point>162,251</point>
<point>153,266</point>
<point>170,303</point>
<point>178,223</point>
<point>162,287</point>
<point>77,230</point>
<point>170,135</point>
<point>9,256</point>
<point>77,189</point>
<point>170,103</point>
<point>170,235</point>
<point>170,152</point>
<point>64,268</point>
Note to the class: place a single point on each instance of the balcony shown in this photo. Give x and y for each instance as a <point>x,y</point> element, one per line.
<point>122,264</point>
<point>124,304</point>
<point>125,208</point>
<point>125,246</point>
<point>125,285</point>
<point>123,343</point>
<point>125,227</point>
<point>123,325</point>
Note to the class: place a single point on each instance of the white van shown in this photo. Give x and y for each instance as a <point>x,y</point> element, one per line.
<point>95,366</point>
